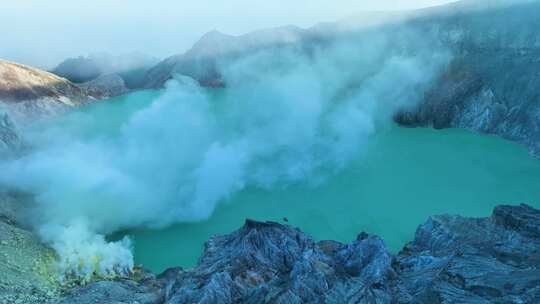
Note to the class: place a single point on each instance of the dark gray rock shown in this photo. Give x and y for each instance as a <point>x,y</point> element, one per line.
<point>488,260</point>
<point>116,292</point>
<point>105,86</point>
<point>492,84</point>
<point>273,263</point>
<point>10,140</point>
<point>490,87</point>
<point>451,260</point>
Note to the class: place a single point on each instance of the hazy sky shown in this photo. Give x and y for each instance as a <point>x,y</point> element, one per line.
<point>44,32</point>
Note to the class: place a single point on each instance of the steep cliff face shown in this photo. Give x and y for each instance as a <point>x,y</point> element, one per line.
<point>451,260</point>
<point>492,84</point>
<point>10,140</point>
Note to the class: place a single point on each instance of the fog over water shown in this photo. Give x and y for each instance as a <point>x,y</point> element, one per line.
<point>402,177</point>
<point>284,118</point>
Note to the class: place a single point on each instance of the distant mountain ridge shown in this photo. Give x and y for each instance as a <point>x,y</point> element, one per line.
<point>199,61</point>
<point>490,87</point>
<point>129,67</point>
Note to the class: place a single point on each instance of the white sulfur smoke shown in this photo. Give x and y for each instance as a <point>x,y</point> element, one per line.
<point>83,253</point>
<point>283,118</point>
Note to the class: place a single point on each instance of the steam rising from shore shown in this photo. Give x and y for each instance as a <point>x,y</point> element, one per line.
<point>284,118</point>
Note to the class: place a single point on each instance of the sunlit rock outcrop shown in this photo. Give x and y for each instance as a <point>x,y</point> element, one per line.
<point>29,94</point>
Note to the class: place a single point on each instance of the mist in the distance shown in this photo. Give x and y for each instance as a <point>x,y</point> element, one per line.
<point>43,33</point>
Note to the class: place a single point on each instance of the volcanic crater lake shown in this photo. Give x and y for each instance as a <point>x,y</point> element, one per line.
<point>406,176</point>
<point>401,178</point>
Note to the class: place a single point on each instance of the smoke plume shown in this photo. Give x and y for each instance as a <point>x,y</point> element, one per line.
<point>284,117</point>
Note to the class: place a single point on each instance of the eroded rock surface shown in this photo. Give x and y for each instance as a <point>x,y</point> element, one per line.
<point>488,260</point>
<point>452,259</point>
<point>25,276</point>
<point>105,86</point>
<point>29,94</point>
<point>10,140</point>
<point>492,84</point>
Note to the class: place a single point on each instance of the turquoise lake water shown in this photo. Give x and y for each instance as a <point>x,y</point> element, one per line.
<point>403,177</point>
<point>406,176</point>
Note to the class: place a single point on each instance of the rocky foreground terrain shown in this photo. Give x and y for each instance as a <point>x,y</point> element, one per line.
<point>10,140</point>
<point>452,259</point>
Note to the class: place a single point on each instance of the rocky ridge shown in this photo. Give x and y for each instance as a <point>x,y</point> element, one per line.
<point>29,94</point>
<point>10,140</point>
<point>489,87</point>
<point>452,259</point>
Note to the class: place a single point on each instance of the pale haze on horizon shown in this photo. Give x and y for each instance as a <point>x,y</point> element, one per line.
<point>43,33</point>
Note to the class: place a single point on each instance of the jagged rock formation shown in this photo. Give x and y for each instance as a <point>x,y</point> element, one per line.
<point>28,94</point>
<point>10,140</point>
<point>491,86</point>
<point>490,260</point>
<point>105,86</point>
<point>451,260</point>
